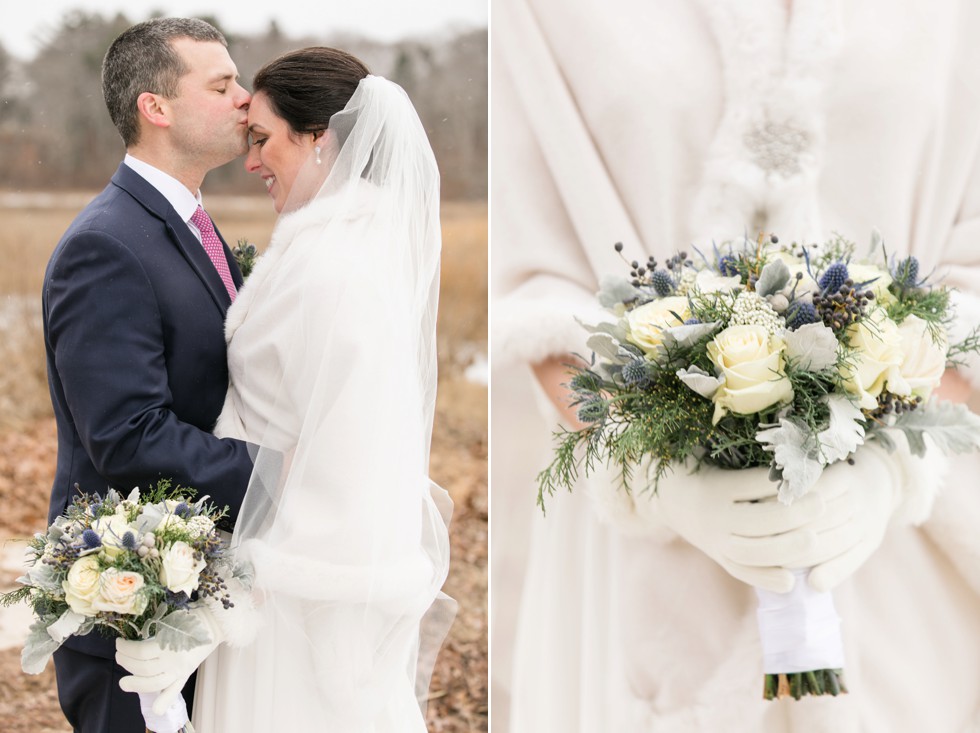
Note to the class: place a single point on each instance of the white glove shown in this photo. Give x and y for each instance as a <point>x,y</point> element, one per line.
<point>158,670</point>
<point>735,519</point>
<point>858,517</point>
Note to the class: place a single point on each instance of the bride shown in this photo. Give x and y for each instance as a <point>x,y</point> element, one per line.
<point>331,351</point>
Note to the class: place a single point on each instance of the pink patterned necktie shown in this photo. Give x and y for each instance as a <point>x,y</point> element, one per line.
<point>212,245</point>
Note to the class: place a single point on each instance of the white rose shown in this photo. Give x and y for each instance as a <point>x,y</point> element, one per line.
<point>171,520</point>
<point>861,273</point>
<point>873,359</point>
<point>180,571</point>
<point>924,359</point>
<point>119,592</point>
<point>708,281</point>
<point>111,529</point>
<point>751,362</point>
<point>82,585</point>
<point>647,323</point>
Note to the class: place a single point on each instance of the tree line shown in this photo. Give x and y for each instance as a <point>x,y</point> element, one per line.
<point>55,132</point>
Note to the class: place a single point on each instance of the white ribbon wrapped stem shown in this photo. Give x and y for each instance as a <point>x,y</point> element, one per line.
<point>800,630</point>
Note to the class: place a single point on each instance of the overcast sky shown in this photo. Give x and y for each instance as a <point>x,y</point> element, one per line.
<point>25,23</point>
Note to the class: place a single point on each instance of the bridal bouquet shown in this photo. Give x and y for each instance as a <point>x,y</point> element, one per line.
<point>129,567</point>
<point>762,354</point>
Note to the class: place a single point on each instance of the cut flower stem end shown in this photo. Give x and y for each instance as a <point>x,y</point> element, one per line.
<point>798,684</point>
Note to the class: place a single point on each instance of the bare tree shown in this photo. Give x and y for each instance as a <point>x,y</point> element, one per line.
<point>61,134</point>
<point>78,144</point>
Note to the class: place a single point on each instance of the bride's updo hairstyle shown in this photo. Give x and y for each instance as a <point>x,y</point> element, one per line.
<point>308,87</point>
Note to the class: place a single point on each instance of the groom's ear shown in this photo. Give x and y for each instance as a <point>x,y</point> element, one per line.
<point>153,108</point>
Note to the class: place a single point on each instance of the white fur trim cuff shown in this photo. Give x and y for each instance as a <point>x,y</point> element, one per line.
<point>241,623</point>
<point>632,512</point>
<point>526,332</point>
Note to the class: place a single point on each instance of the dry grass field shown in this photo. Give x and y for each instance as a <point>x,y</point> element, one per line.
<point>32,224</point>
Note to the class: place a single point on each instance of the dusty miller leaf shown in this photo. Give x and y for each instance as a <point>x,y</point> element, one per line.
<point>773,278</point>
<point>845,433</point>
<point>67,625</point>
<point>181,631</point>
<point>886,441</point>
<point>38,648</point>
<point>686,336</point>
<point>42,576</point>
<point>616,330</point>
<point>952,428</point>
<point>614,290</point>
<point>876,241</point>
<point>700,381</point>
<point>606,347</point>
<point>147,630</point>
<point>795,456</point>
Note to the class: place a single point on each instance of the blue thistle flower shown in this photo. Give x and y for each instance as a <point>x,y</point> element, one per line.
<point>663,283</point>
<point>129,541</point>
<point>907,272</point>
<point>593,410</point>
<point>177,600</point>
<point>636,374</point>
<point>91,539</point>
<point>728,265</point>
<point>833,277</point>
<point>183,511</point>
<point>583,382</point>
<point>799,314</point>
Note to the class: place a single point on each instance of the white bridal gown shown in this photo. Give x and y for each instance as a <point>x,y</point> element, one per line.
<point>350,550</point>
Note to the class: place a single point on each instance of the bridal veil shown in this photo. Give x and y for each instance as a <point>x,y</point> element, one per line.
<point>345,532</point>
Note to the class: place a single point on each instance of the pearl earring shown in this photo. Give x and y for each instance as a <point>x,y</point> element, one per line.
<point>317,151</point>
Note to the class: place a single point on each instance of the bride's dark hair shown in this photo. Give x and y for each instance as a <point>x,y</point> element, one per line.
<point>308,87</point>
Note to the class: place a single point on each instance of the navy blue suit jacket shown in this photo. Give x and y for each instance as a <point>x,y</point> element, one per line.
<point>134,331</point>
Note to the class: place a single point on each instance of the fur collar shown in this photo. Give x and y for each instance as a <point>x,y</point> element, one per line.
<point>360,201</point>
<point>763,166</point>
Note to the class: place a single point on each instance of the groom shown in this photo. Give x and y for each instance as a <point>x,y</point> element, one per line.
<point>134,301</point>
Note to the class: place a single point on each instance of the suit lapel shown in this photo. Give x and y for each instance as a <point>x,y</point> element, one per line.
<point>180,235</point>
<point>194,252</point>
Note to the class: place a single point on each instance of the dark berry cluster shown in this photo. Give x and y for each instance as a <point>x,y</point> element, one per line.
<point>212,585</point>
<point>839,308</point>
<point>891,404</point>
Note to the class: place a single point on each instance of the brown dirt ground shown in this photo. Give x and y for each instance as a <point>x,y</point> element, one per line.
<point>458,697</point>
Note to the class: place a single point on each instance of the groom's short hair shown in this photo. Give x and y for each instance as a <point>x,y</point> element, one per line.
<point>142,59</point>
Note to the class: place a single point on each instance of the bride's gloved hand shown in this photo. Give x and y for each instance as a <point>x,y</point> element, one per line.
<point>158,670</point>
<point>735,519</point>
<point>877,489</point>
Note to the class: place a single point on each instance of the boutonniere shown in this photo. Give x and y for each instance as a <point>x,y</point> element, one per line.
<point>245,255</point>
